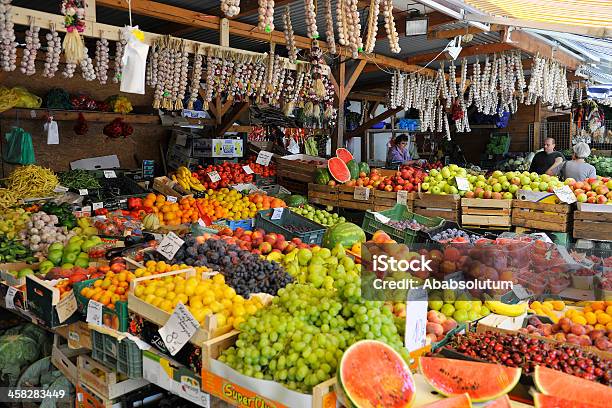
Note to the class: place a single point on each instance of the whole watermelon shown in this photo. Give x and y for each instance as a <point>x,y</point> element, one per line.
<point>363,167</point>
<point>322,176</point>
<point>345,233</point>
<point>353,168</point>
<point>296,200</point>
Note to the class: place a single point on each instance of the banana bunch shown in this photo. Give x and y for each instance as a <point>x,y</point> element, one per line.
<point>505,309</point>
<point>184,178</point>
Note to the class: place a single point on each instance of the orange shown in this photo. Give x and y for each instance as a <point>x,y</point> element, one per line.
<point>598,305</point>
<point>97,283</point>
<point>151,196</point>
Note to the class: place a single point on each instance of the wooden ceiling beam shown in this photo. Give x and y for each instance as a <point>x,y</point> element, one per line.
<point>366,125</point>
<point>534,46</point>
<point>443,34</point>
<point>466,52</point>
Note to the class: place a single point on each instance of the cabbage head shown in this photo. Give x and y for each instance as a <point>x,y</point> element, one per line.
<point>16,352</point>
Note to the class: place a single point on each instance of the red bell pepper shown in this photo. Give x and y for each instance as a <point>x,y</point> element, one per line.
<point>134,203</point>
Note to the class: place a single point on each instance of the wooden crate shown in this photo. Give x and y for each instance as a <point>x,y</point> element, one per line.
<point>322,194</point>
<point>155,315</point>
<point>289,167</point>
<point>542,216</point>
<point>168,187</point>
<point>109,385</point>
<point>323,394</point>
<point>479,212</point>
<point>294,186</point>
<point>346,199</point>
<point>593,225</point>
<point>65,358</point>
<point>446,206</point>
<point>385,200</point>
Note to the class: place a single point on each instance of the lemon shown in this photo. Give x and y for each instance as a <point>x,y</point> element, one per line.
<point>170,296</point>
<point>149,290</point>
<point>157,301</point>
<point>149,298</point>
<point>161,292</point>
<point>190,290</point>
<point>221,320</point>
<point>200,289</point>
<point>139,291</point>
<point>182,298</point>
<point>166,305</point>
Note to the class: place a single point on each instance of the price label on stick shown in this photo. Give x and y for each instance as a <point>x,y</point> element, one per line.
<point>264,158</point>
<point>402,197</point>
<point>110,174</point>
<point>66,307</point>
<point>83,191</point>
<point>462,183</point>
<point>94,312</point>
<point>179,328</point>
<point>520,292</point>
<point>416,319</point>
<point>247,169</point>
<point>361,193</point>
<point>565,194</point>
<point>201,222</point>
<point>10,297</point>
<point>277,214</point>
<point>171,199</point>
<point>382,218</point>
<point>170,245</point>
<point>214,176</point>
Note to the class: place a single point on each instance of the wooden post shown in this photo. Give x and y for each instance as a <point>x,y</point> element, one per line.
<point>90,10</point>
<point>537,124</point>
<point>224,33</point>
<point>338,137</point>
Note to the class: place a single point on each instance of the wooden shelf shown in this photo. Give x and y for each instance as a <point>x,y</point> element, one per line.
<point>483,127</point>
<point>72,115</point>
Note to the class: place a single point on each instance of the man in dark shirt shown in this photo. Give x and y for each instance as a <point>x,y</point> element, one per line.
<point>547,161</point>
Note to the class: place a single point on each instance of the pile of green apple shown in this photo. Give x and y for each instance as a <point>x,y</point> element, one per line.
<point>73,253</point>
<point>443,181</point>
<point>322,217</point>
<point>506,185</point>
<point>462,308</point>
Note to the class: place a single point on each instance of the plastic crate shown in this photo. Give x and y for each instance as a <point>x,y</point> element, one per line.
<point>123,356</point>
<point>246,224</point>
<point>400,213</point>
<point>314,235</point>
<point>450,224</point>
<point>118,317</point>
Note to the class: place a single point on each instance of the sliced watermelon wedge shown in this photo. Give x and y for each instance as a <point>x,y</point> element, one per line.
<point>344,154</point>
<point>459,401</point>
<point>501,402</point>
<point>482,381</point>
<point>549,401</point>
<point>558,384</point>
<point>338,169</point>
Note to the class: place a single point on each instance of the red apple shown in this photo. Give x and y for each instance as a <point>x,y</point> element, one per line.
<point>602,199</point>
<point>265,248</point>
<point>592,200</point>
<point>487,194</point>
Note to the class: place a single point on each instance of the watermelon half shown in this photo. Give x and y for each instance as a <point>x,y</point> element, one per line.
<point>550,401</point>
<point>372,374</point>
<point>558,384</point>
<point>459,401</point>
<point>344,154</point>
<point>482,381</point>
<point>338,170</point>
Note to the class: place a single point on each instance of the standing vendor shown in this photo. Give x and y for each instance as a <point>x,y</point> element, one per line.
<point>401,153</point>
<point>547,161</point>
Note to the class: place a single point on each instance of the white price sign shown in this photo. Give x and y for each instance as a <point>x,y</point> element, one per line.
<point>201,222</point>
<point>382,218</point>
<point>416,319</point>
<point>170,245</point>
<point>66,307</point>
<point>462,183</point>
<point>110,174</point>
<point>565,194</point>
<point>83,191</point>
<point>247,169</point>
<point>361,193</point>
<point>402,197</point>
<point>214,176</point>
<point>97,206</point>
<point>179,328</point>
<point>94,312</point>
<point>10,297</point>
<point>171,199</point>
<point>520,292</point>
<point>60,189</point>
<point>264,157</point>
<point>277,214</point>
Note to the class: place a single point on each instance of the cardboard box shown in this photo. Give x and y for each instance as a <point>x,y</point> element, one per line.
<point>11,279</point>
<point>96,163</point>
<point>42,301</point>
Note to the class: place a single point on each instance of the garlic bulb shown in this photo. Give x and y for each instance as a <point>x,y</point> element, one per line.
<point>8,46</point>
<point>329,27</point>
<point>230,8</point>
<point>54,48</point>
<point>289,35</point>
<point>266,15</point>
<point>390,26</point>
<point>87,68</point>
<point>184,71</point>
<point>119,49</point>
<point>372,25</point>
<point>341,22</point>
<point>196,75</point>
<point>28,60</point>
<point>69,70</point>
<point>102,60</point>
<point>310,19</point>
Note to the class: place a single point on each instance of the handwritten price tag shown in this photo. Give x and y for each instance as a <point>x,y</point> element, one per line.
<point>60,189</point>
<point>402,197</point>
<point>171,199</point>
<point>565,194</point>
<point>179,328</point>
<point>214,176</point>
<point>361,193</point>
<point>247,169</point>
<point>10,297</point>
<point>416,319</point>
<point>277,214</point>
<point>462,183</point>
<point>170,245</point>
<point>382,218</point>
<point>264,157</point>
<point>97,206</point>
<point>94,312</point>
<point>201,222</point>
<point>83,191</point>
<point>66,307</point>
<point>110,174</point>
